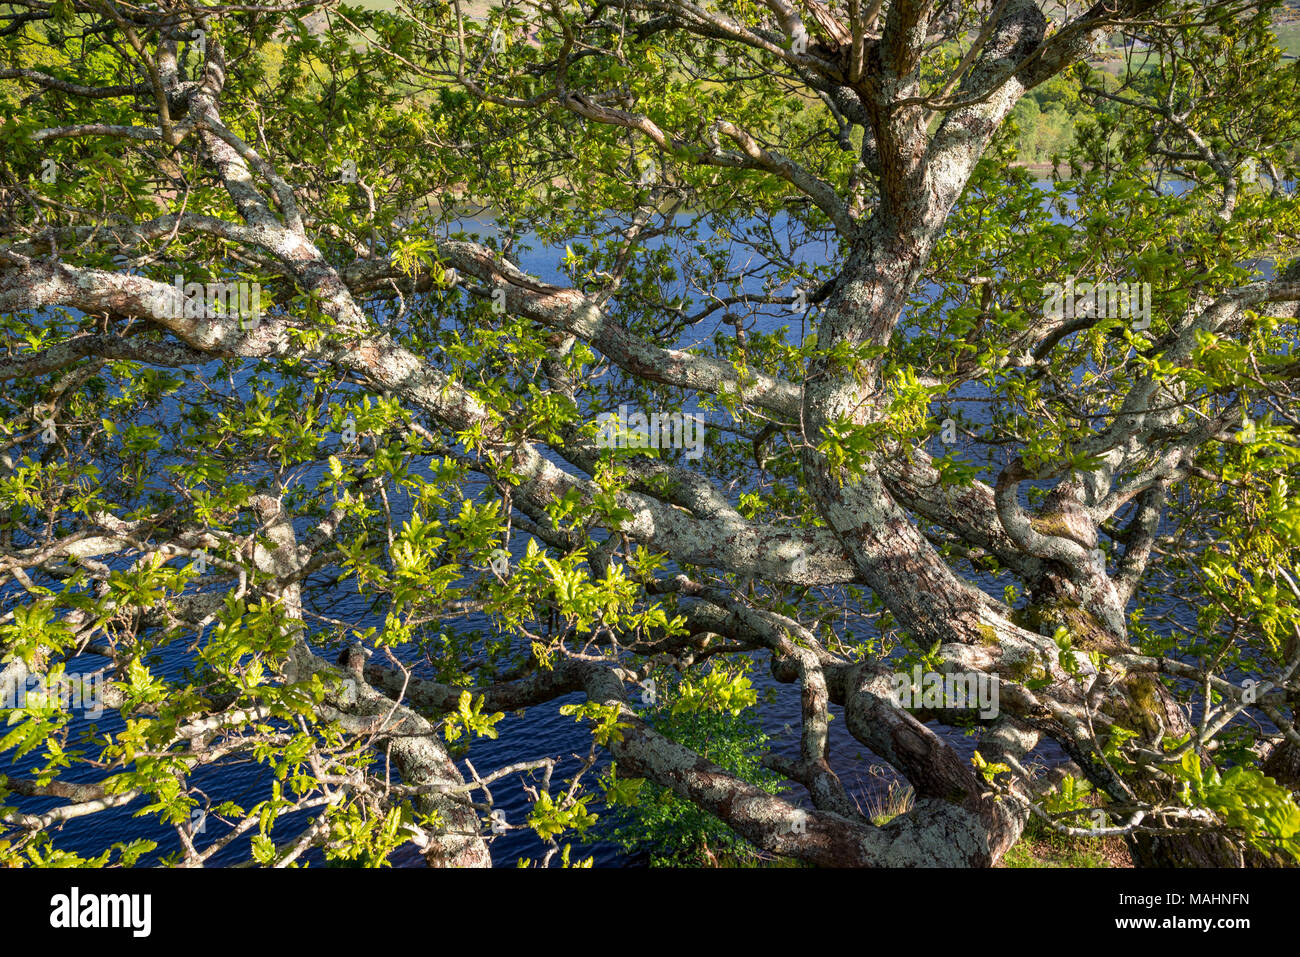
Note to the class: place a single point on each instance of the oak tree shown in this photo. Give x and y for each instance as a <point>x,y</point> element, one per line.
<point>316,472</point>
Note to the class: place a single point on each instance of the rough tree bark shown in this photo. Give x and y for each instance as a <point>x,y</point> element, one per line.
<point>878,516</point>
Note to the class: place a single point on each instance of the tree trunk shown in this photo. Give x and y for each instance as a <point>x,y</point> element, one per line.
<point>1140,703</point>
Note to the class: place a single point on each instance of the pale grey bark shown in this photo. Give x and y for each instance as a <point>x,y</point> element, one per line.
<point>877,519</point>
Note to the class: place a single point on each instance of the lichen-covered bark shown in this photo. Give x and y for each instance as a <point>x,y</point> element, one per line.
<point>878,516</point>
